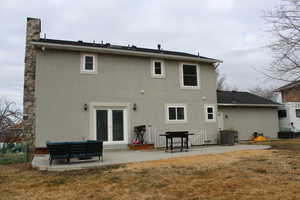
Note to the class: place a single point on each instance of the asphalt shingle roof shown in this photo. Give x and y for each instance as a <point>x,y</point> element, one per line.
<point>235,97</point>
<point>119,47</point>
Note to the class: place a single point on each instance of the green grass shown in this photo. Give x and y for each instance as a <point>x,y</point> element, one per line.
<point>11,158</point>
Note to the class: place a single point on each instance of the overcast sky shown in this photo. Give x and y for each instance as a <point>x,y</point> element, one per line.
<point>230,30</point>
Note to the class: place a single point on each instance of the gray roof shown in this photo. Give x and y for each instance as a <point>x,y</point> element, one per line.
<point>242,98</point>
<point>119,47</point>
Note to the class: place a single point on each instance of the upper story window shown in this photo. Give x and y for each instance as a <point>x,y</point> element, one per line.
<point>157,69</point>
<point>176,113</point>
<point>210,113</point>
<point>282,114</point>
<point>88,63</point>
<point>297,113</point>
<point>189,75</point>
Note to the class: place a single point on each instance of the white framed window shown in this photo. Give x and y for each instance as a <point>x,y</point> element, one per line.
<point>189,76</point>
<point>210,115</point>
<point>88,63</point>
<point>176,113</point>
<point>157,69</point>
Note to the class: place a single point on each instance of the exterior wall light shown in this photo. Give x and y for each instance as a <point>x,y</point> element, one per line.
<point>85,107</point>
<point>134,107</point>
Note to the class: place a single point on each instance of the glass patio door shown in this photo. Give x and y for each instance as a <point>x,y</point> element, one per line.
<point>110,125</point>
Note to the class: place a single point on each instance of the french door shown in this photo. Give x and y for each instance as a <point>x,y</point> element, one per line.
<point>111,125</point>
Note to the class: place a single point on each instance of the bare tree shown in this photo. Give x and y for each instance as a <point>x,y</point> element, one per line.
<point>285,25</point>
<point>221,81</point>
<point>9,115</point>
<point>267,93</point>
<point>222,84</point>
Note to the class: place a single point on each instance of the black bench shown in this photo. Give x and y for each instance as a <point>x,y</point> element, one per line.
<point>183,135</point>
<point>80,150</point>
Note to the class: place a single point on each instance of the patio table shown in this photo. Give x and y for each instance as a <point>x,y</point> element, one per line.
<point>177,134</point>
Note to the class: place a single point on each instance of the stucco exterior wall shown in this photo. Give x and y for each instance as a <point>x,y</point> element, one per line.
<point>249,120</point>
<point>61,92</point>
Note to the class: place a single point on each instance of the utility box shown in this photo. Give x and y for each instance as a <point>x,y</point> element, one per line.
<point>228,137</point>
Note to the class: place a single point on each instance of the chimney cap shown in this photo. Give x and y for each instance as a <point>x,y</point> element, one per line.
<point>158,46</point>
<point>33,18</point>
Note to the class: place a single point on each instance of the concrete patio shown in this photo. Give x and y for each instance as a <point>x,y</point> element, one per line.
<point>113,157</point>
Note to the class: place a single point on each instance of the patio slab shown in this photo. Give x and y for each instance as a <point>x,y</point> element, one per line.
<point>113,157</point>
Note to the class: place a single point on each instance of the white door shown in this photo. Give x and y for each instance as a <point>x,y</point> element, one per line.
<point>111,126</point>
<point>220,121</point>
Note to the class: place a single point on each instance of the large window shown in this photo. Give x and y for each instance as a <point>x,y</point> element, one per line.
<point>88,63</point>
<point>210,113</point>
<point>176,113</point>
<point>189,75</point>
<point>282,114</point>
<point>298,113</point>
<point>157,69</point>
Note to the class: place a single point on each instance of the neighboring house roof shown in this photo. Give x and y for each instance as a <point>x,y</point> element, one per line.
<point>288,86</point>
<point>235,98</point>
<point>118,49</point>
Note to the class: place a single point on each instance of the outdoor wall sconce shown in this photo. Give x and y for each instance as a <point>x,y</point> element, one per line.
<point>134,107</point>
<point>226,116</point>
<point>85,107</point>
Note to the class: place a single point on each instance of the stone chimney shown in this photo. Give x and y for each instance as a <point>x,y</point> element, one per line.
<point>33,31</point>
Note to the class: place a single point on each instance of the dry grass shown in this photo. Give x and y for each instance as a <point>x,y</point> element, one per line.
<point>257,174</point>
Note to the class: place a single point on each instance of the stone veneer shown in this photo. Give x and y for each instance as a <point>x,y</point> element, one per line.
<point>33,31</point>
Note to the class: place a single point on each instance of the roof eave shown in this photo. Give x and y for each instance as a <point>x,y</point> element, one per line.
<point>122,52</point>
<point>248,105</point>
<point>286,87</point>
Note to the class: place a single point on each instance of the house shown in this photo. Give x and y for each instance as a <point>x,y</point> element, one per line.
<point>247,113</point>
<point>289,112</point>
<point>76,90</point>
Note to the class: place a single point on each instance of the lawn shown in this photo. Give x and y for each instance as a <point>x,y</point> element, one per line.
<point>255,174</point>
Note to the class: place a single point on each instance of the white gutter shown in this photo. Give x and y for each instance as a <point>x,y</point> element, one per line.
<point>248,105</point>
<point>122,52</point>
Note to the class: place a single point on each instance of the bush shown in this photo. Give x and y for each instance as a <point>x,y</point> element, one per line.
<point>13,153</point>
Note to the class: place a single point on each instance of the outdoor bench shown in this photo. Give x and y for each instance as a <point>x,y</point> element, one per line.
<point>81,150</point>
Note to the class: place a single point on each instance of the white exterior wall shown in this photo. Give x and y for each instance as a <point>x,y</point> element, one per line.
<point>285,124</point>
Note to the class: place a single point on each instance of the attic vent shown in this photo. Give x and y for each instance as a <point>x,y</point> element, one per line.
<point>233,91</point>
<point>80,41</point>
<point>133,46</point>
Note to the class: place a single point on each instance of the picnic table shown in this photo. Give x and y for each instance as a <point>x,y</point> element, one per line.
<point>177,134</point>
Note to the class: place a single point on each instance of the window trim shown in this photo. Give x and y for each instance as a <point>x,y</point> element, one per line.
<point>182,86</point>
<point>152,68</point>
<point>82,65</point>
<point>176,105</point>
<point>206,113</point>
